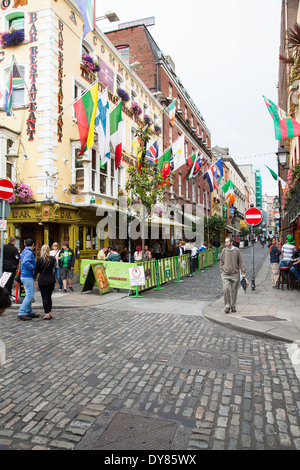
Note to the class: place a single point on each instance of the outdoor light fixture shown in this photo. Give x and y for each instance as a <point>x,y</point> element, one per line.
<point>12,155</point>
<point>136,65</point>
<point>110,16</point>
<point>282,155</point>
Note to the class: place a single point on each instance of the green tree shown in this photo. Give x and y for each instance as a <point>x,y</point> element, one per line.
<point>145,184</point>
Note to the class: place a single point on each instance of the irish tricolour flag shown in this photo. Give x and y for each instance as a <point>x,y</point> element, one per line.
<point>116,132</point>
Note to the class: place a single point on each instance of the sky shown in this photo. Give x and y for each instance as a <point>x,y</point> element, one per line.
<point>226,55</point>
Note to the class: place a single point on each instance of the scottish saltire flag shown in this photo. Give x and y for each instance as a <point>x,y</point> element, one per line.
<point>7,102</point>
<point>152,153</point>
<point>219,165</point>
<point>102,125</point>
<point>209,175</point>
<point>87,10</point>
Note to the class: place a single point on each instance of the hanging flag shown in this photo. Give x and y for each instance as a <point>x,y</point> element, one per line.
<point>228,189</point>
<point>209,175</point>
<point>138,145</point>
<point>1,93</point>
<point>178,157</point>
<point>116,132</point>
<point>152,153</point>
<point>219,165</point>
<point>172,111</point>
<point>277,178</point>
<point>198,165</point>
<point>191,161</point>
<point>164,165</point>
<point>7,102</point>
<point>103,127</point>
<point>87,10</point>
<point>216,183</point>
<point>285,126</point>
<point>85,110</point>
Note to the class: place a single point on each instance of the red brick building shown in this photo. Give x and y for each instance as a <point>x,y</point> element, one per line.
<point>157,71</point>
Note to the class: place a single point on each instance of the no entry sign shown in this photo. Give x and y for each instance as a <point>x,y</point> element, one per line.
<point>6,189</point>
<point>253,216</point>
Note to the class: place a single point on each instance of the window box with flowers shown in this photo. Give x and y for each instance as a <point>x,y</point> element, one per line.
<point>136,109</point>
<point>157,129</point>
<point>22,194</point>
<point>123,95</point>
<point>90,63</point>
<point>293,180</point>
<point>13,37</point>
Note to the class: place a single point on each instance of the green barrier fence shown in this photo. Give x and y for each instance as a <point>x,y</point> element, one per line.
<point>157,272</point>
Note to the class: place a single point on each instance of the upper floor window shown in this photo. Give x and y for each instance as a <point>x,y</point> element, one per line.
<point>16,22</point>
<point>124,51</point>
<point>18,93</point>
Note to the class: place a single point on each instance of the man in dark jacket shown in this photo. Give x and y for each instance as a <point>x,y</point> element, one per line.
<point>11,258</point>
<point>275,253</point>
<point>66,259</point>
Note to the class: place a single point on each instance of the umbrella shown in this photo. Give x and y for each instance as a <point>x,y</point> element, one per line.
<point>244,283</point>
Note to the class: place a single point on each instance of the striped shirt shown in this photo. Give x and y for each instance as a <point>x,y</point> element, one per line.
<point>288,251</point>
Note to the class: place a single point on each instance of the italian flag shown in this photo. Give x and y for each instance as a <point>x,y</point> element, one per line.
<point>116,132</point>
<point>284,125</point>
<point>85,110</point>
<point>228,189</point>
<point>191,161</point>
<point>172,111</point>
<point>164,165</point>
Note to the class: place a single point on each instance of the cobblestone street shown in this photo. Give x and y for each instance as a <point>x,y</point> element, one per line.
<point>66,381</point>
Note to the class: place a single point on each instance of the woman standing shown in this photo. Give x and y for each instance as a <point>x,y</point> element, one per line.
<point>44,267</point>
<point>55,253</point>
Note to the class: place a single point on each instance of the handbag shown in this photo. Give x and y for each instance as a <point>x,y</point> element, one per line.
<point>18,277</point>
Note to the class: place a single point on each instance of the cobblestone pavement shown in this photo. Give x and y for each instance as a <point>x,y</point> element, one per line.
<point>65,380</point>
<point>208,284</point>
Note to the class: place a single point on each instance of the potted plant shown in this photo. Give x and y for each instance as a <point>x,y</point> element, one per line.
<point>136,109</point>
<point>73,189</point>
<point>13,37</point>
<point>22,194</point>
<point>90,63</point>
<point>123,95</point>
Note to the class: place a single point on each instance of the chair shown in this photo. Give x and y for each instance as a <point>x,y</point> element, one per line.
<point>285,277</point>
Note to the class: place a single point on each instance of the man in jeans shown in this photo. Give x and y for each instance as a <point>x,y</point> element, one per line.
<point>27,278</point>
<point>66,259</point>
<point>231,264</point>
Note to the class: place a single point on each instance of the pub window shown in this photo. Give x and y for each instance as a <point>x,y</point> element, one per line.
<point>80,235</point>
<point>88,238</point>
<point>103,178</point>
<point>112,176</point>
<point>119,82</point>
<point>170,90</point>
<point>17,22</point>
<point>94,169</point>
<point>133,96</point>
<point>79,171</point>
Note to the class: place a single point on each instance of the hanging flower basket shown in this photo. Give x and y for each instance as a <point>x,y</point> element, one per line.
<point>14,37</point>
<point>136,109</point>
<point>147,119</point>
<point>22,194</point>
<point>123,95</point>
<point>157,129</point>
<point>90,63</point>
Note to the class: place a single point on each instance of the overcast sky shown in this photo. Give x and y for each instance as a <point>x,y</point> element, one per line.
<point>226,55</point>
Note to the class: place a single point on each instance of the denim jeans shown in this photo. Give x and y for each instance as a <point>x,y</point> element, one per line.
<point>58,277</point>
<point>295,271</point>
<point>28,283</point>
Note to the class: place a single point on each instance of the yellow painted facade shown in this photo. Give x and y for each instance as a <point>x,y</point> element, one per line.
<point>44,130</point>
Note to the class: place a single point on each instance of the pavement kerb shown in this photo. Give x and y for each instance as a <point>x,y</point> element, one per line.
<point>264,297</point>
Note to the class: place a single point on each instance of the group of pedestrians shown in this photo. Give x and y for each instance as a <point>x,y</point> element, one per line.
<point>50,266</point>
<point>290,258</point>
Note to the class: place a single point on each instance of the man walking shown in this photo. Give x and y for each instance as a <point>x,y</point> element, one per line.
<point>231,264</point>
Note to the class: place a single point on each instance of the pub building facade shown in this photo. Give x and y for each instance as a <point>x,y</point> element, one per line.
<point>39,142</point>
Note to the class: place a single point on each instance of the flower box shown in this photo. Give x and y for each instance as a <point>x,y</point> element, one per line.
<point>90,63</point>
<point>14,37</point>
<point>136,109</point>
<point>22,194</point>
<point>123,95</point>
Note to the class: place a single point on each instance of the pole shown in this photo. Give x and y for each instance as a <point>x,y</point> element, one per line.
<point>2,237</point>
<point>253,268</point>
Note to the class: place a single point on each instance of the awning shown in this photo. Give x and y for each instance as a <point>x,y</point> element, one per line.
<point>233,228</point>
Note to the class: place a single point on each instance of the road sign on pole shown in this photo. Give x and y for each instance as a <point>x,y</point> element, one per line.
<point>253,216</point>
<point>6,189</point>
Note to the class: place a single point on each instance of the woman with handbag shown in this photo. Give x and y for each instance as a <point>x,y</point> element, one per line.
<point>44,268</point>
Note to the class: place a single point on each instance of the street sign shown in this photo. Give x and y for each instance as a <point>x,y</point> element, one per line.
<point>3,225</point>
<point>253,216</point>
<point>6,189</point>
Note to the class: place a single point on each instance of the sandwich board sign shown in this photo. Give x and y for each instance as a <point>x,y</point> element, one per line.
<point>96,274</point>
